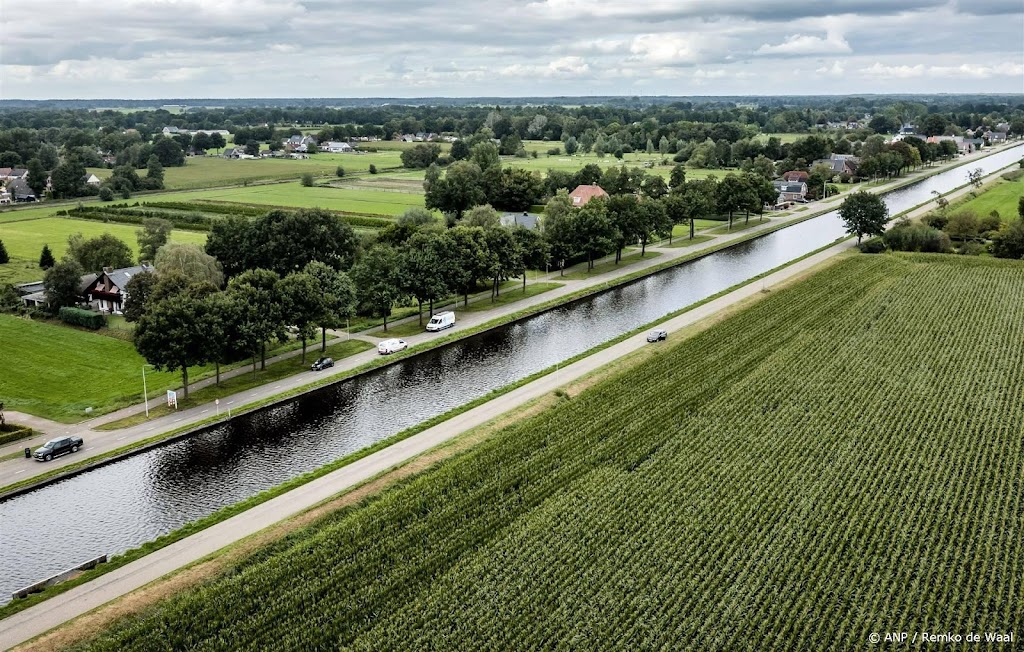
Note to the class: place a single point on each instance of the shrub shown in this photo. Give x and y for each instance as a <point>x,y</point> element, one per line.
<point>1008,242</point>
<point>917,237</point>
<point>83,318</point>
<point>340,172</point>
<point>971,249</point>
<point>10,432</point>
<point>874,245</point>
<point>106,194</point>
<point>1013,175</point>
<point>4,258</point>
<point>963,226</point>
<point>373,169</point>
<point>554,151</point>
<point>990,223</point>
<point>936,220</point>
<point>307,179</point>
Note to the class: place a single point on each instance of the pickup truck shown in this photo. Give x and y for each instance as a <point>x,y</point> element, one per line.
<point>55,447</point>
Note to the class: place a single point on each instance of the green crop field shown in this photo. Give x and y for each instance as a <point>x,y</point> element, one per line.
<point>843,457</point>
<point>296,195</point>
<point>24,241</point>
<point>1002,197</point>
<point>56,371</point>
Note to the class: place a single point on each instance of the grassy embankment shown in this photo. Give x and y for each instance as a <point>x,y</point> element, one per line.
<point>765,477</point>
<point>1002,196</point>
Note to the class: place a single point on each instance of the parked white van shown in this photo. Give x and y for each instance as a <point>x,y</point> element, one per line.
<point>441,321</point>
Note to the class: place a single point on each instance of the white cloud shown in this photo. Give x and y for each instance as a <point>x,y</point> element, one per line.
<point>803,44</point>
<point>666,49</point>
<point>835,70</point>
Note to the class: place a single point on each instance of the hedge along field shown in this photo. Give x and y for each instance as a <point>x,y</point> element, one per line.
<point>844,457</point>
<point>24,241</point>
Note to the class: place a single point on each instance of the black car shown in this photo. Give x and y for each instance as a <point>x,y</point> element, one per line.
<point>322,363</point>
<point>657,335</point>
<point>55,447</point>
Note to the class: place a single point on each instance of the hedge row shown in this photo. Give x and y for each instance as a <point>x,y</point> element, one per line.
<point>210,207</point>
<point>9,433</point>
<point>80,317</point>
<point>190,221</point>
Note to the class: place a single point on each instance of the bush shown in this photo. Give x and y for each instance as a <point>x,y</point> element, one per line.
<point>554,151</point>
<point>307,180</point>
<point>1013,175</point>
<point>990,223</point>
<point>373,169</point>
<point>340,172</point>
<point>917,237</point>
<point>874,245</point>
<point>106,194</point>
<point>971,249</point>
<point>963,226</point>
<point>83,318</point>
<point>936,220</point>
<point>1008,242</point>
<point>10,432</point>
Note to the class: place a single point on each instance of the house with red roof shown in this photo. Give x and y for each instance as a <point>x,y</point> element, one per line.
<point>583,194</point>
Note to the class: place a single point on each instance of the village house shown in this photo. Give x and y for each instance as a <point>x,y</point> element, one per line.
<point>107,292</point>
<point>796,175</point>
<point>584,193</point>
<point>840,163</point>
<point>790,191</point>
<point>335,147</point>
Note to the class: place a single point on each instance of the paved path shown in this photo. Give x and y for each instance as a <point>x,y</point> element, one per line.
<point>98,442</point>
<point>81,599</point>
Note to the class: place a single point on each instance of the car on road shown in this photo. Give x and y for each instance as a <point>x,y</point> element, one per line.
<point>391,346</point>
<point>321,364</point>
<point>657,335</point>
<point>55,447</point>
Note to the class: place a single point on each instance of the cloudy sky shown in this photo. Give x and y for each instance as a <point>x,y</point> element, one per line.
<point>409,48</point>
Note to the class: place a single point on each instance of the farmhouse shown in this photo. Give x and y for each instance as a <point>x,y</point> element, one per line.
<point>840,163</point>
<point>584,193</point>
<point>335,147</point>
<point>106,292</point>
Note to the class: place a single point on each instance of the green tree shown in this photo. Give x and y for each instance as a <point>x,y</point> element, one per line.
<point>36,179</point>
<point>303,305</point>
<point>677,177</point>
<point>172,334</point>
<point>417,217</point>
<point>139,289</point>
<point>419,157</point>
<point>504,258</point>
<point>339,172</point>
<point>372,169</point>
<point>287,241</point>
<point>190,261</point>
<point>459,150</point>
<point>106,194</point>
<point>595,233</point>
<point>67,179</point>
<point>518,189</point>
<point>46,260</point>
<point>485,155</point>
<point>651,221</point>
<point>228,242</point>
<point>63,284</point>
<point>4,257</point>
<point>622,213</point>
<point>102,251</point>
<point>864,214</point>
<point>469,259</point>
<point>734,194</point>
<point>571,145</point>
<point>459,190</point>
<point>558,229</point>
<point>378,286</point>
<point>307,179</point>
<point>1008,242</point>
<point>155,233</point>
<point>170,154</point>
<point>483,216</point>
<point>225,340</point>
<point>533,250</point>
<point>339,294</point>
<point>258,298</point>
<point>154,173</point>
<point>422,269</point>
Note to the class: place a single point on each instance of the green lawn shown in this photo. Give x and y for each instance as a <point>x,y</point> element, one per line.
<point>511,291</point>
<point>24,241</point>
<point>738,224</point>
<point>56,371</point>
<point>601,268</point>
<point>1001,196</point>
<point>685,241</point>
<point>227,387</point>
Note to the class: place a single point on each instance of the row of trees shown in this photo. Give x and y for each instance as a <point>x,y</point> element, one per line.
<point>182,322</point>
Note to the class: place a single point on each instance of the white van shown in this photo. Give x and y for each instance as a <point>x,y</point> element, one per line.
<point>441,321</point>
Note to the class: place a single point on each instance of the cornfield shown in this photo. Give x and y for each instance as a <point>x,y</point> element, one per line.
<point>842,458</point>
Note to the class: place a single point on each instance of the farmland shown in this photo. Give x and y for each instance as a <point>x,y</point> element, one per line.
<point>840,458</point>
<point>1001,197</point>
<point>25,239</point>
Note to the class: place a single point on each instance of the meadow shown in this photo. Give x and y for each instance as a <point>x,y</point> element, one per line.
<point>842,457</point>
<point>1002,197</point>
<point>24,241</point>
<point>57,371</point>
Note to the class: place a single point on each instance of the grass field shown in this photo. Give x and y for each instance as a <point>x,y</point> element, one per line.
<point>843,457</point>
<point>24,241</point>
<point>57,372</point>
<point>1001,196</point>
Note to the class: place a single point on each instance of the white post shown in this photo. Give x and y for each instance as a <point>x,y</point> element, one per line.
<point>145,394</point>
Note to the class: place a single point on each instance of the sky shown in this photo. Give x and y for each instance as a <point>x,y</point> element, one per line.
<point>141,49</point>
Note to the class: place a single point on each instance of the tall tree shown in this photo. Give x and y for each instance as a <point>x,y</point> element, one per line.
<point>260,316</point>
<point>469,260</point>
<point>533,250</point>
<point>595,232</point>
<point>864,214</point>
<point>63,284</point>
<point>303,305</point>
<point>286,242</point>
<point>504,258</point>
<point>68,178</point>
<point>651,221</point>
<point>172,334</point>
<point>459,190</point>
<point>376,279</point>
<point>46,260</point>
<point>154,173</point>
<point>102,251</point>
<point>228,242</point>
<point>339,297</point>
<point>154,234</point>
<point>422,269</point>
<point>734,194</point>
<point>622,212</point>
<point>138,289</point>
<point>190,261</point>
<point>4,257</point>
<point>36,177</point>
